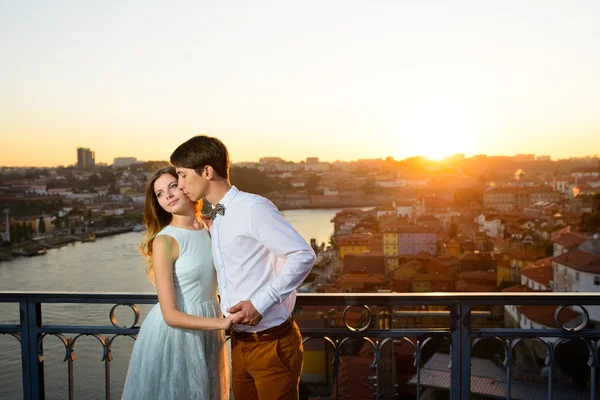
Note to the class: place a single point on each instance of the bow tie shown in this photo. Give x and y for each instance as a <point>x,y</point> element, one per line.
<point>219,209</point>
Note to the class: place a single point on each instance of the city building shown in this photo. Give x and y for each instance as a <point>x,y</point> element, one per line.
<point>86,159</point>
<point>512,198</point>
<point>567,241</point>
<point>124,161</point>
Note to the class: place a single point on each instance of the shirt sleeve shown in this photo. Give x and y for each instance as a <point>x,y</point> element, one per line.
<point>274,232</point>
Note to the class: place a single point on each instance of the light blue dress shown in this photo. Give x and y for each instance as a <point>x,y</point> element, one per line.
<point>175,363</point>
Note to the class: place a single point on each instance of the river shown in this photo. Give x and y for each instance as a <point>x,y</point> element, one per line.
<point>110,264</point>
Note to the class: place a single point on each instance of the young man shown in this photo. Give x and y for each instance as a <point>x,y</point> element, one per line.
<point>261,260</point>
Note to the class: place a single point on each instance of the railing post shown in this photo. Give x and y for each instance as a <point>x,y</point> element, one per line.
<point>465,359</point>
<point>455,351</point>
<point>24,327</point>
<point>33,368</point>
<point>460,352</point>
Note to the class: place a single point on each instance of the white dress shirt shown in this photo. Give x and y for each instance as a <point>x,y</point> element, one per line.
<point>259,257</point>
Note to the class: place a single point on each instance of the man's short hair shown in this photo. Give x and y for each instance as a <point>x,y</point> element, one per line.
<point>200,151</point>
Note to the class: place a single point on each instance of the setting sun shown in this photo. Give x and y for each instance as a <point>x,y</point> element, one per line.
<point>438,128</point>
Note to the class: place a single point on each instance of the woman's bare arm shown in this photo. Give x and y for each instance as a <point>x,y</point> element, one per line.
<point>165,252</point>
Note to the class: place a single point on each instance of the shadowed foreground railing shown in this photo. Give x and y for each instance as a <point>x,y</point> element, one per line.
<point>378,329</point>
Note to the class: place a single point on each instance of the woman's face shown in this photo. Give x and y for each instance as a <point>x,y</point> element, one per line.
<point>169,196</point>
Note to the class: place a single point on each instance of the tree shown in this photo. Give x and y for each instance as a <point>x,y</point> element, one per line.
<point>30,231</point>
<point>312,183</point>
<point>252,180</point>
<point>19,233</point>
<point>596,199</point>
<point>110,221</point>
<point>42,225</point>
<point>13,234</point>
<point>94,181</point>
<point>548,248</point>
<point>592,222</point>
<point>16,233</point>
<point>453,231</point>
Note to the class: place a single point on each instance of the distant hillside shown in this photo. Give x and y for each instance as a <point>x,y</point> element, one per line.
<point>255,181</point>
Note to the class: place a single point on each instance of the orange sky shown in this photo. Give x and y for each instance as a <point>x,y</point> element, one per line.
<point>353,80</point>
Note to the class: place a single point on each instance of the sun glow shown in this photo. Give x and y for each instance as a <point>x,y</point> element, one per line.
<point>439,129</point>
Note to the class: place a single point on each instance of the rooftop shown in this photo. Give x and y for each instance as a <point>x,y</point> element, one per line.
<point>580,260</point>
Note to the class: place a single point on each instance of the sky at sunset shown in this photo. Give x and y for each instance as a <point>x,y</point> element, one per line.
<point>338,80</point>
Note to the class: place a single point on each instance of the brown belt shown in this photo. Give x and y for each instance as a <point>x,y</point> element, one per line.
<point>266,335</point>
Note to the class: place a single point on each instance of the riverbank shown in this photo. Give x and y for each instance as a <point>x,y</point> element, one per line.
<point>326,207</point>
<point>40,245</point>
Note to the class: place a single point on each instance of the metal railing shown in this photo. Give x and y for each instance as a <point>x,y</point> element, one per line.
<point>460,333</point>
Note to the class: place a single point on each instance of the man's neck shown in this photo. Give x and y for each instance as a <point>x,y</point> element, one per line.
<point>218,191</point>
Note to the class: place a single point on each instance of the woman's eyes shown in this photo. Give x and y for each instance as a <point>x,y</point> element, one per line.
<point>174,186</point>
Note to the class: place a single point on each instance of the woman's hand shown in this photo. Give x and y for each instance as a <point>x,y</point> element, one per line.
<point>227,323</point>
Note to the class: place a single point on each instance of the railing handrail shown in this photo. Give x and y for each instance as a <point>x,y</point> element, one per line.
<point>460,332</point>
<point>335,298</point>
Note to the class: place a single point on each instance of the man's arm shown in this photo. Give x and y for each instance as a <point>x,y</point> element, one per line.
<point>270,229</point>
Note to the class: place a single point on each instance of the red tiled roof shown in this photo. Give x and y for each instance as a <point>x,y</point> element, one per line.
<point>544,262</point>
<point>477,256</point>
<point>351,378</point>
<point>430,277</point>
<point>524,254</point>
<point>349,211</point>
<point>544,315</point>
<point>570,240</point>
<point>362,278</point>
<point>518,288</point>
<point>580,260</point>
<point>586,169</point>
<point>526,189</point>
<point>390,226</point>
<point>419,256</point>
<point>435,264</point>
<point>354,239</point>
<point>483,275</point>
<point>369,262</point>
<point>463,286</point>
<point>412,264</point>
<point>447,259</point>
<point>543,274</point>
<point>404,228</point>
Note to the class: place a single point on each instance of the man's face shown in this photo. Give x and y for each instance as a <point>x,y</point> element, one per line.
<point>193,185</point>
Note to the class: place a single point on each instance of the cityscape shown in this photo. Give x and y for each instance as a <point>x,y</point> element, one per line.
<point>521,223</point>
<point>441,159</point>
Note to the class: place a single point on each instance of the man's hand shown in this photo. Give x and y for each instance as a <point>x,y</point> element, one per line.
<point>207,220</point>
<point>244,313</point>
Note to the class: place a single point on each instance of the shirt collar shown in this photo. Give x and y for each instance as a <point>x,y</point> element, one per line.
<point>231,193</point>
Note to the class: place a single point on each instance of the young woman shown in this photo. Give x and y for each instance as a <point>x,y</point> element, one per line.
<point>180,350</point>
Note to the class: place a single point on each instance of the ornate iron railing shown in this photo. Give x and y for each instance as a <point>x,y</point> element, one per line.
<point>461,334</point>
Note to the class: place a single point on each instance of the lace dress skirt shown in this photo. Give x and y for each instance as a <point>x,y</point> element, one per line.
<point>175,363</point>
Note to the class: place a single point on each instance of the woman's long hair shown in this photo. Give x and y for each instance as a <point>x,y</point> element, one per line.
<point>156,218</point>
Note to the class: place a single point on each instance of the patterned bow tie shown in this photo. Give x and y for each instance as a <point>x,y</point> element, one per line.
<point>219,209</point>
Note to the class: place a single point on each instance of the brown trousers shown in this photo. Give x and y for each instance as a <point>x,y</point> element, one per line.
<point>267,370</point>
